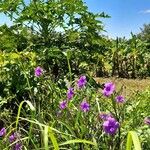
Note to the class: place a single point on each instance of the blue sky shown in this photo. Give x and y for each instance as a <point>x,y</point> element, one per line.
<point>126,15</point>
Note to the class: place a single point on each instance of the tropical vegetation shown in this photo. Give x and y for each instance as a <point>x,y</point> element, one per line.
<point>49,98</point>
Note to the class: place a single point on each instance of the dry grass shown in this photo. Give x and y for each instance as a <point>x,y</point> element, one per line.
<point>129,86</point>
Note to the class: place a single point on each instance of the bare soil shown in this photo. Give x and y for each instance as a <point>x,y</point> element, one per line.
<point>128,87</point>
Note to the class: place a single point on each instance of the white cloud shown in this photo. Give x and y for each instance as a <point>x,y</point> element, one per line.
<point>147,11</point>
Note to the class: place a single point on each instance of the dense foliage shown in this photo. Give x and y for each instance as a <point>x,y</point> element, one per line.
<point>48,96</point>
<point>50,28</point>
<point>71,113</point>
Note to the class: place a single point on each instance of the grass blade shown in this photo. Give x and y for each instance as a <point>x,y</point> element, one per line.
<point>45,137</point>
<point>19,110</point>
<point>132,137</point>
<point>78,141</point>
<point>53,139</point>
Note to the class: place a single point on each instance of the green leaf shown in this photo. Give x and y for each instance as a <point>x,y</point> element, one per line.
<point>53,139</point>
<point>132,137</point>
<point>45,137</point>
<point>79,141</point>
<point>19,110</point>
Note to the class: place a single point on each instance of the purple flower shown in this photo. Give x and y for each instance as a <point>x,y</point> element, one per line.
<point>82,82</point>
<point>109,88</point>
<point>63,104</point>
<point>38,71</point>
<point>110,126</point>
<point>70,93</point>
<point>12,137</point>
<point>2,132</point>
<point>85,106</point>
<point>18,146</point>
<point>147,120</point>
<point>104,116</point>
<point>120,99</point>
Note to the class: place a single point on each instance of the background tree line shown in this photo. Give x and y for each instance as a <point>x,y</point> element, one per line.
<point>53,28</point>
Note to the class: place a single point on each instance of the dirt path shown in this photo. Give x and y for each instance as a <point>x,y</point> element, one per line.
<point>129,86</point>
